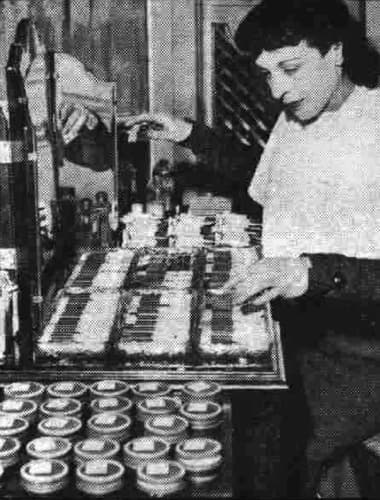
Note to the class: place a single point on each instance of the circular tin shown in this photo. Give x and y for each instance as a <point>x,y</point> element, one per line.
<point>100,477</point>
<point>200,389</point>
<point>109,425</point>
<point>9,451</point>
<point>111,405</point>
<point>49,448</point>
<point>108,388</point>
<point>145,390</point>
<point>44,477</point>
<point>145,449</point>
<point>66,427</point>
<point>70,389</point>
<point>15,427</point>
<point>201,458</point>
<point>172,428</point>
<point>95,449</point>
<point>202,415</point>
<point>161,478</point>
<point>61,407</point>
<point>151,407</point>
<point>24,408</point>
<point>24,390</point>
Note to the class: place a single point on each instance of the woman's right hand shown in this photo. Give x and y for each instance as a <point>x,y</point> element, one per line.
<point>159,126</point>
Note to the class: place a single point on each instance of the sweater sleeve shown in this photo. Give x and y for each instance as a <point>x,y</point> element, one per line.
<point>341,277</point>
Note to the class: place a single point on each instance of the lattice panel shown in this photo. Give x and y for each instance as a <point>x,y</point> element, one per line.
<point>242,102</point>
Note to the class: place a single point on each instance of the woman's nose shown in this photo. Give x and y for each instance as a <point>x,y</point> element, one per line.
<point>279,85</point>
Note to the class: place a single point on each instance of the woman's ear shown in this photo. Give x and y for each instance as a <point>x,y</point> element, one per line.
<point>337,51</point>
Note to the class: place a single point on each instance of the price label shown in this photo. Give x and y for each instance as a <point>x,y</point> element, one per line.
<point>6,422</point>
<point>56,423</point>
<point>108,403</point>
<point>199,386</point>
<point>96,468</point>
<point>57,404</point>
<point>107,385</point>
<point>19,387</point>
<point>197,407</point>
<point>106,420</point>
<point>44,444</point>
<point>195,445</point>
<point>41,467</point>
<point>159,468</point>
<point>93,445</point>
<point>148,387</point>
<point>10,405</point>
<point>155,403</point>
<point>166,422</point>
<point>64,387</point>
<point>143,445</point>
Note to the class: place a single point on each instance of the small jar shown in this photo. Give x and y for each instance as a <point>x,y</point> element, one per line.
<point>75,390</point>
<point>202,415</point>
<point>49,448</point>
<point>100,477</point>
<point>9,451</point>
<point>111,405</point>
<point>15,427</point>
<point>161,478</point>
<point>109,426</point>
<point>145,390</point>
<point>61,407</point>
<point>108,388</point>
<point>95,449</point>
<point>201,458</point>
<point>145,449</point>
<point>44,477</point>
<point>201,389</point>
<point>65,427</point>
<point>24,408</point>
<point>24,390</point>
<point>172,428</point>
<point>152,407</point>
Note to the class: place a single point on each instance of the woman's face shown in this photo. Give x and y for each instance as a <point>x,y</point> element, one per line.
<point>303,79</point>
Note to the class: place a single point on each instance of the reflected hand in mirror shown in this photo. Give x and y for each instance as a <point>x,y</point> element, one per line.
<point>73,117</point>
<point>268,279</point>
<point>155,126</point>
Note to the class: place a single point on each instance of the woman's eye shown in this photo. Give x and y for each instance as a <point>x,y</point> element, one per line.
<point>290,71</point>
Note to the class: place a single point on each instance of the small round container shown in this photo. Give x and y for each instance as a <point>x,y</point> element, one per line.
<point>172,428</point>
<point>156,406</point>
<point>95,449</point>
<point>202,415</point>
<point>44,477</point>
<point>145,449</point>
<point>61,407</point>
<point>49,448</point>
<point>9,451</point>
<point>161,478</point>
<point>109,426</point>
<point>108,388</point>
<point>24,390</point>
<point>74,390</point>
<point>65,427</point>
<point>145,390</point>
<point>111,405</point>
<point>201,389</point>
<point>100,477</point>
<point>201,458</point>
<point>24,408</point>
<point>15,427</point>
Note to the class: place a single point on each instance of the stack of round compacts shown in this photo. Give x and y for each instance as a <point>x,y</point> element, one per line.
<point>145,390</point>
<point>15,427</point>
<point>111,405</point>
<point>65,407</point>
<point>172,428</point>
<point>201,389</point>
<point>24,408</point>
<point>100,477</point>
<point>202,415</point>
<point>201,458</point>
<point>24,390</point>
<point>109,425</point>
<point>145,449</point>
<point>49,448</point>
<point>43,477</point>
<point>161,478</point>
<point>65,427</point>
<point>108,388</point>
<point>151,407</point>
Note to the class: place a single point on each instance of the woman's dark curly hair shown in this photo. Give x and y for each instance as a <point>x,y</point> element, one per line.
<point>321,23</point>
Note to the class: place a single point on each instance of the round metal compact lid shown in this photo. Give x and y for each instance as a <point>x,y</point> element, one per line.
<point>151,389</point>
<point>111,404</point>
<point>162,472</point>
<point>166,425</point>
<point>70,389</point>
<point>48,447</point>
<point>146,447</point>
<point>104,388</point>
<point>200,389</point>
<point>105,422</point>
<point>18,407</point>
<point>61,406</point>
<point>59,426</point>
<point>100,471</point>
<point>96,448</point>
<point>24,390</point>
<point>44,471</point>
